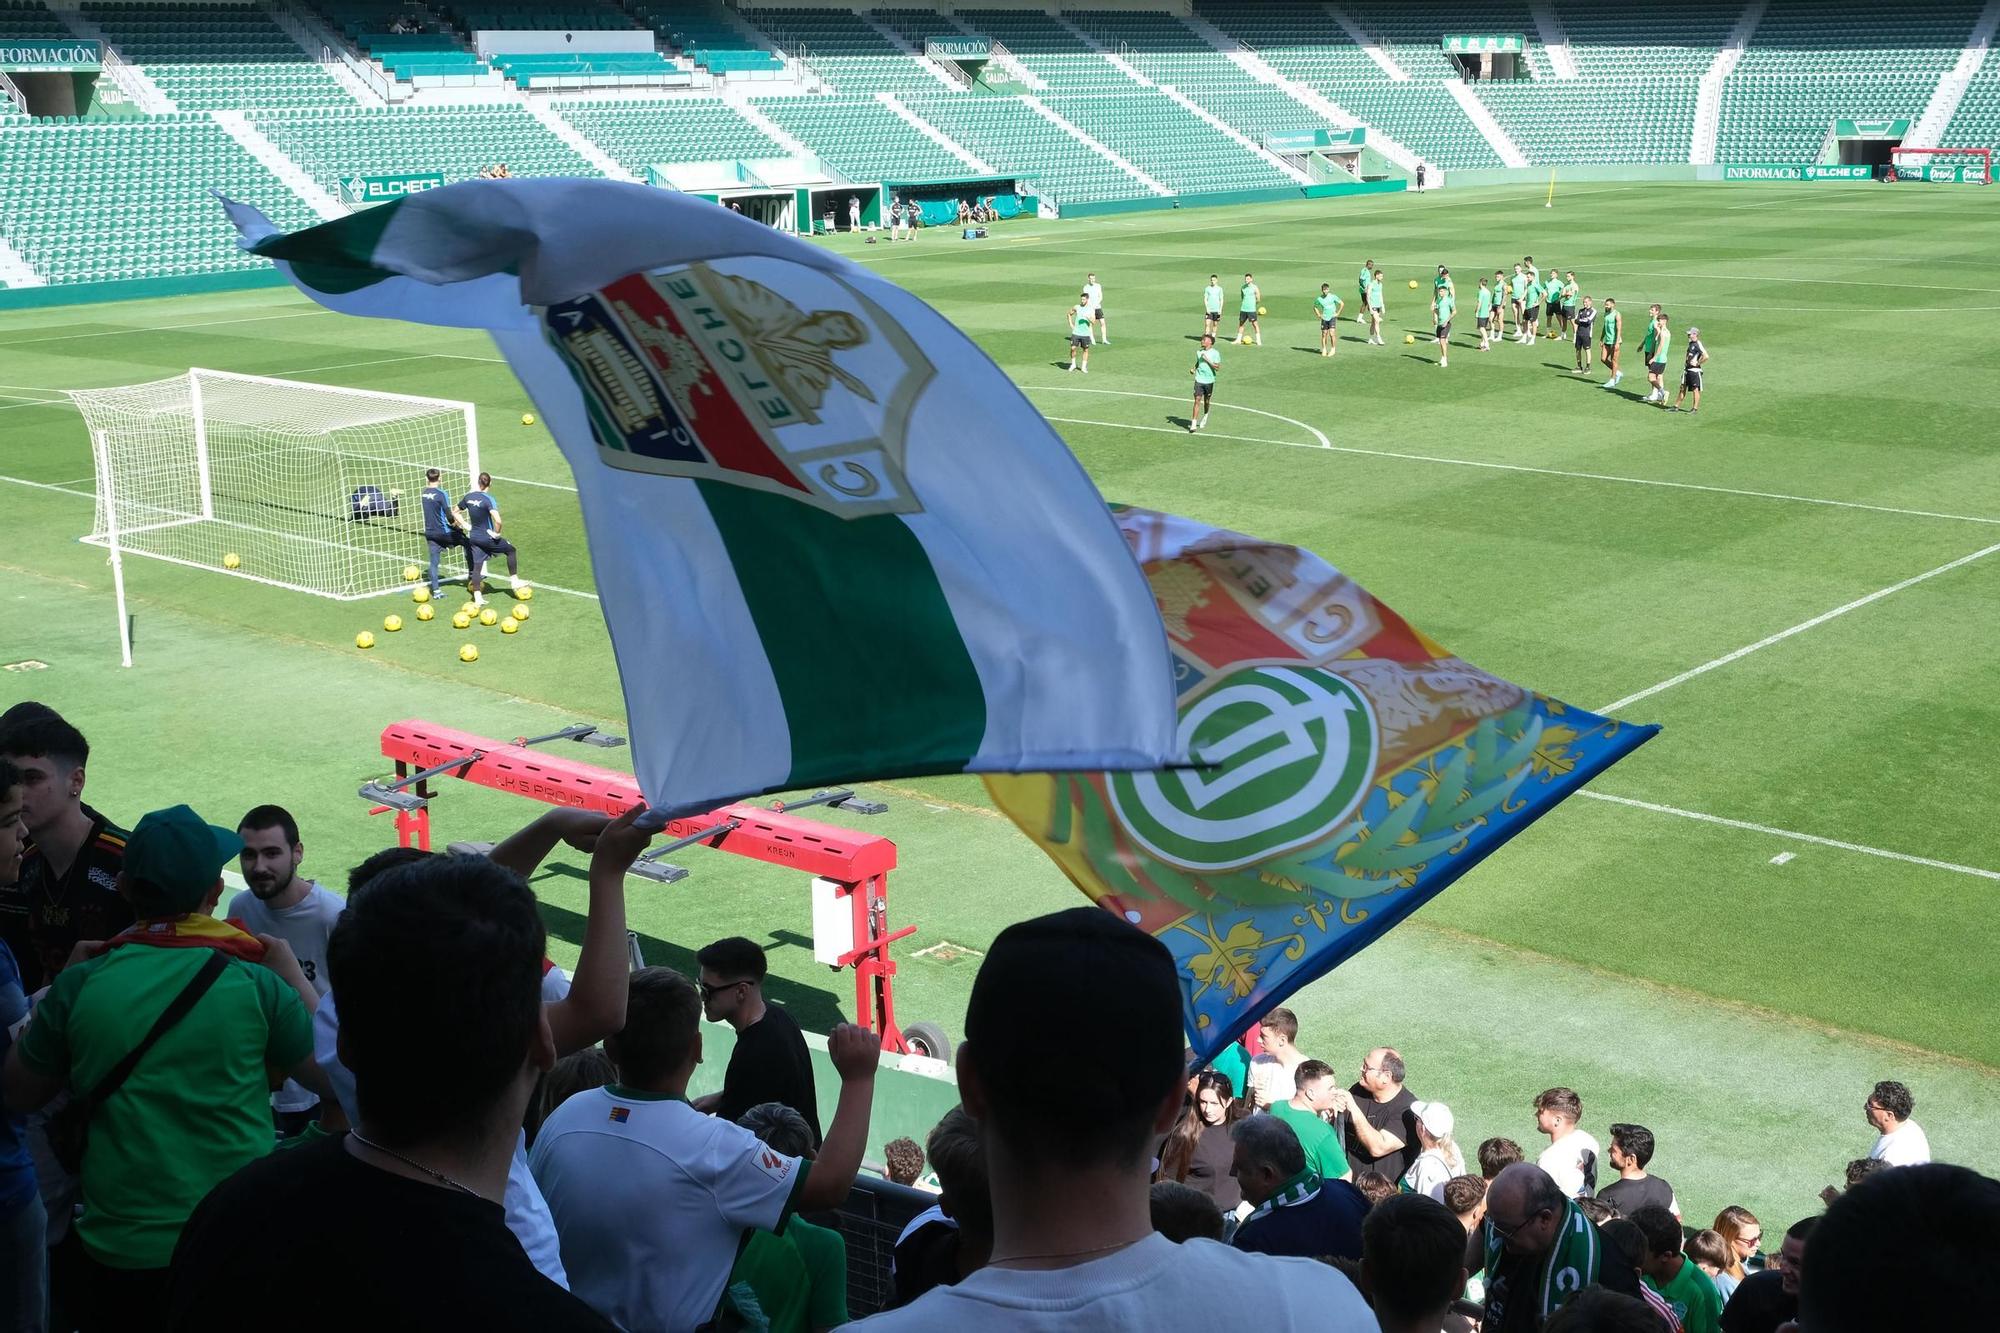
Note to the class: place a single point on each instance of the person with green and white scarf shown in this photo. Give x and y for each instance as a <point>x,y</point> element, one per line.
<point>1540,1251</point>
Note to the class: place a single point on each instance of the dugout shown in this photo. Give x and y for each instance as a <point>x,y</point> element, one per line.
<point>817,201</point>
<point>937,199</point>
<point>787,193</point>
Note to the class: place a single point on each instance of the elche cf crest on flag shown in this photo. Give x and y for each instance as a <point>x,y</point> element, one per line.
<point>708,373</point>
<point>1347,768</point>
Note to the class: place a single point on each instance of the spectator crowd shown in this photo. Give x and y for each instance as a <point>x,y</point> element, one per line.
<point>390,1109</point>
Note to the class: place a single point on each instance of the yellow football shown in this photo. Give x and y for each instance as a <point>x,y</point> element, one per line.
<point>426,613</point>
<point>364,640</point>
<point>420,595</point>
<point>1409,337</point>
<point>460,620</point>
<point>510,627</point>
<point>411,573</point>
<point>524,594</point>
<point>488,616</point>
<point>468,653</point>
<point>1262,311</point>
<point>1413,284</point>
<point>519,612</point>
<point>232,561</point>
<point>527,418</point>
<point>469,609</point>
<point>392,623</point>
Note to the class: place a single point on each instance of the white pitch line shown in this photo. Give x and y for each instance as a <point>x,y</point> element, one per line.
<point>1314,431</point>
<point>1522,467</point>
<point>390,360</point>
<point>1812,838</point>
<point>1799,628</point>
<point>161,328</point>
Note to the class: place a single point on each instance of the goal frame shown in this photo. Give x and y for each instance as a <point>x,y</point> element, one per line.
<point>115,537</point>
<point>1985,156</point>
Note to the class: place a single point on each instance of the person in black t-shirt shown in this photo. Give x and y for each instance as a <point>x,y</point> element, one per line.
<point>1375,1115</point>
<point>770,1062</point>
<point>68,886</point>
<point>408,1225</point>
<point>1631,1149</point>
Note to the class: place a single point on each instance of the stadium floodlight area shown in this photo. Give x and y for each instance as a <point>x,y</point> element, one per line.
<point>1958,166</point>
<point>311,487</point>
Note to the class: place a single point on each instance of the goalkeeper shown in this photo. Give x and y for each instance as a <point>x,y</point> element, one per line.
<point>483,539</point>
<point>444,528</point>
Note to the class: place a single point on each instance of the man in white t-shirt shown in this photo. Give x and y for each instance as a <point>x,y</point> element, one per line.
<point>1093,293</point>
<point>1073,1239</point>
<point>1273,1070</point>
<point>652,1199</point>
<point>1572,1155</point>
<point>1901,1141</point>
<point>298,911</point>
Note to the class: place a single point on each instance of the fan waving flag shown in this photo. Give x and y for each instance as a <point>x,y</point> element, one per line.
<point>832,540</point>
<point>1349,769</point>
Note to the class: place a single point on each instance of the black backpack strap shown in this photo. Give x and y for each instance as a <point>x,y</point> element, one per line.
<point>190,995</point>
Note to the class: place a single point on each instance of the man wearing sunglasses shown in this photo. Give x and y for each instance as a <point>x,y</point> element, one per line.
<point>770,1062</point>
<point>1539,1251</point>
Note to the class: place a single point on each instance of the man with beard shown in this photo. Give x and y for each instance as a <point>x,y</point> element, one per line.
<point>282,902</point>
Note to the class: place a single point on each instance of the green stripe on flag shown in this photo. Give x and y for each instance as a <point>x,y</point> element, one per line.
<point>862,643</point>
<point>336,257</point>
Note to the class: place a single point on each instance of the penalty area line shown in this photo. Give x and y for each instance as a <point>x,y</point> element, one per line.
<point>1788,834</point>
<point>1800,628</point>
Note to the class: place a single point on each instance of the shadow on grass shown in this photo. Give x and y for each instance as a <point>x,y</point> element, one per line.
<point>816,1010</point>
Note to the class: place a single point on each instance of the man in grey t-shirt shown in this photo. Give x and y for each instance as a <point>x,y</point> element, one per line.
<point>282,902</point>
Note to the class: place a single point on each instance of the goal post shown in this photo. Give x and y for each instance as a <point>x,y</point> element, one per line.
<point>1948,166</point>
<point>311,487</point>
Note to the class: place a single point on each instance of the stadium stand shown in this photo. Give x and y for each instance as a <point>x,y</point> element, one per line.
<point>460,141</point>
<point>848,52</point>
<point>639,134</point>
<point>864,140</point>
<point>1813,60</point>
<point>89,200</point>
<point>1114,117</point>
<point>217,57</point>
<point>1015,138</point>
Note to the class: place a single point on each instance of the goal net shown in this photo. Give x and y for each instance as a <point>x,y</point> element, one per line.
<point>305,486</point>
<point>1949,166</point>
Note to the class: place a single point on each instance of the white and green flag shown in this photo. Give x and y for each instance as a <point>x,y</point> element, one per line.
<point>833,541</point>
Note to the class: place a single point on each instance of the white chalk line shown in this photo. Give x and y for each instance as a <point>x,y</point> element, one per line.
<point>162,328</point>
<point>1522,467</point>
<point>1799,628</point>
<point>1792,836</point>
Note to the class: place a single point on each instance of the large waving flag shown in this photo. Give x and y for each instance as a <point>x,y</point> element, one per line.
<point>1350,769</point>
<point>833,541</point>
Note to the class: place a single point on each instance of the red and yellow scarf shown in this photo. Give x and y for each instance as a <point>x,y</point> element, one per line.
<point>193,931</point>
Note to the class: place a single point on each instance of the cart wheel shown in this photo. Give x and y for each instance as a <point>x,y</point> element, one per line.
<point>928,1038</point>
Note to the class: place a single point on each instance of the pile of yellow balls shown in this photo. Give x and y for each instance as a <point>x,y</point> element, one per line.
<point>464,618</point>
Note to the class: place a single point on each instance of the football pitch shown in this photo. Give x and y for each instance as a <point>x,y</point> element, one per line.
<point>1789,894</point>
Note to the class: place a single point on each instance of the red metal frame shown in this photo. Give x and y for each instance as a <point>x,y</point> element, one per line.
<point>858,862</point>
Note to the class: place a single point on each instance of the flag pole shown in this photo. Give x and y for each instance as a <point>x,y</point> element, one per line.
<point>1551,201</point>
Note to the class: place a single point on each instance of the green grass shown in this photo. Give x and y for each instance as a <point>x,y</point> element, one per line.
<point>1566,537</point>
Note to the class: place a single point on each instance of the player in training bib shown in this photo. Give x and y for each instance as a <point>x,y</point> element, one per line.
<point>1531,306</point>
<point>1207,360</point>
<point>1614,339</point>
<point>1376,309</point>
<point>1211,305</point>
<point>1079,333</point>
<point>1552,307</point>
<point>1697,357</point>
<point>1093,292</point>
<point>1446,306</point>
<point>1499,330</point>
<point>1361,305</point>
<point>1485,314</point>
<point>482,516</point>
<point>1658,343</point>
<point>1571,293</point>
<point>1327,306</point>
<point>444,527</point>
<point>1586,324</point>
<point>1246,313</point>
